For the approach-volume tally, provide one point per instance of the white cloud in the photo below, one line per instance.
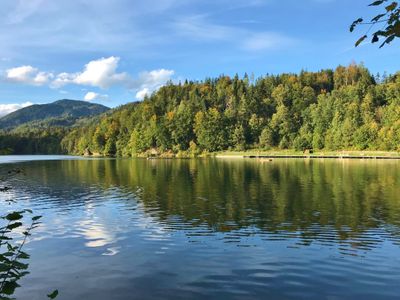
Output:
(266, 41)
(101, 73)
(28, 75)
(62, 79)
(142, 93)
(199, 28)
(90, 96)
(23, 10)
(148, 82)
(5, 109)
(155, 78)
(196, 27)
(98, 73)
(42, 78)
(21, 74)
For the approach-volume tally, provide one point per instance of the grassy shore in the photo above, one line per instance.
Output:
(254, 153)
(280, 153)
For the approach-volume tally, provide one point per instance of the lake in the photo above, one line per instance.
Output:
(209, 228)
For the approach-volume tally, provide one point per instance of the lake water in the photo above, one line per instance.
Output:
(210, 229)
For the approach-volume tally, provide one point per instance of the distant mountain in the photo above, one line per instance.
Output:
(60, 113)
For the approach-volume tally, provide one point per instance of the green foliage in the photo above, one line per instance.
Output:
(14, 232)
(389, 17)
(59, 113)
(39, 129)
(26, 140)
(12, 258)
(267, 138)
(211, 130)
(341, 109)
(53, 294)
(238, 138)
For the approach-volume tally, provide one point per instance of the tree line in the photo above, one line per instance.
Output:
(27, 140)
(346, 108)
(343, 109)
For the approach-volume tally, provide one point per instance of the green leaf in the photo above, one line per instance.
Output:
(355, 23)
(36, 218)
(391, 7)
(387, 41)
(3, 258)
(4, 267)
(360, 40)
(9, 287)
(24, 273)
(396, 29)
(14, 216)
(20, 266)
(14, 225)
(377, 18)
(375, 3)
(23, 255)
(53, 294)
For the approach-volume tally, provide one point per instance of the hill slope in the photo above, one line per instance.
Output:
(342, 109)
(62, 112)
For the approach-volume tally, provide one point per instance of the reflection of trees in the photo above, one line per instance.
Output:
(346, 197)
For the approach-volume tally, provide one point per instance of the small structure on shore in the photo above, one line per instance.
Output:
(308, 151)
(264, 160)
(87, 152)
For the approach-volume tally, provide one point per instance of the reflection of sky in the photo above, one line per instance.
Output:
(5, 159)
(104, 226)
(105, 238)
(103, 216)
(93, 230)
(95, 233)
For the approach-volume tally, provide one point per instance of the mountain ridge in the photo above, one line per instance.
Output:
(63, 112)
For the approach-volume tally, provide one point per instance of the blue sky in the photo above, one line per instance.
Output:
(114, 52)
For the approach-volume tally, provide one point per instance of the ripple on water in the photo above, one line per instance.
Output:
(283, 231)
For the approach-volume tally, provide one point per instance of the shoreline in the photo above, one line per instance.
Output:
(307, 157)
(287, 154)
(268, 155)
(219, 155)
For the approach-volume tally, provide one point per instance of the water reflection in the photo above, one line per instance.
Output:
(227, 195)
(218, 228)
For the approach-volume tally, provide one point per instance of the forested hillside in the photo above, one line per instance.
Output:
(340, 109)
(62, 112)
(39, 129)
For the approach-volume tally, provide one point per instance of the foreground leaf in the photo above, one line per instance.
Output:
(53, 295)
(9, 287)
(361, 40)
(14, 225)
(14, 216)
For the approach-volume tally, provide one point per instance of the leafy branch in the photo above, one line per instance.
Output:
(13, 264)
(390, 17)
(12, 267)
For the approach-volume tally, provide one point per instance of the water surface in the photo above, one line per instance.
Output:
(211, 229)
